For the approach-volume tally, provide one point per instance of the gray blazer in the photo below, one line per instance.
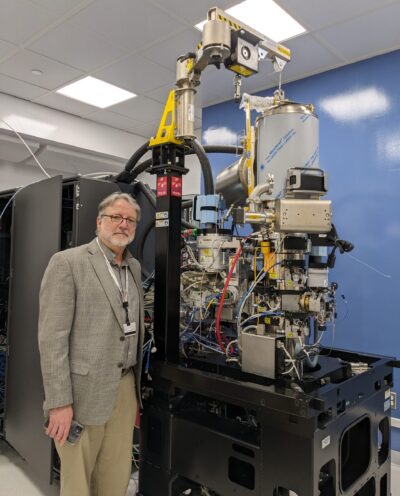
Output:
(80, 326)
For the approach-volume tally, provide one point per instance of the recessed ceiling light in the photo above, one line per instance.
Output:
(266, 17)
(95, 92)
(37, 72)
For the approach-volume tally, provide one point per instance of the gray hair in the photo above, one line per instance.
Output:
(110, 199)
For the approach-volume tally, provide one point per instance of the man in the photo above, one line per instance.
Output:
(90, 339)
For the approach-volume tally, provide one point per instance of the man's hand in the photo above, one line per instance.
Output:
(59, 423)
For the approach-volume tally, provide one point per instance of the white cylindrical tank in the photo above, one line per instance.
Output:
(287, 136)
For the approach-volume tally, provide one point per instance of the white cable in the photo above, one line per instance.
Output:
(13, 196)
(292, 361)
(27, 146)
(252, 326)
(105, 173)
(229, 345)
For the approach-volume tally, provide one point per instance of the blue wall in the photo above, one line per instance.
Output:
(361, 154)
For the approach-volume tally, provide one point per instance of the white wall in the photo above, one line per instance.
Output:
(70, 145)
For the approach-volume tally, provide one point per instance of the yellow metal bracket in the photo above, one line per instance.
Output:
(249, 149)
(166, 129)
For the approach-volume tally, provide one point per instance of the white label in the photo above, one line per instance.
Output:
(162, 223)
(326, 442)
(386, 405)
(387, 394)
(190, 114)
(162, 215)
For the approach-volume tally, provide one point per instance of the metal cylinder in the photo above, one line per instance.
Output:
(287, 136)
(216, 33)
(232, 182)
(185, 112)
(181, 71)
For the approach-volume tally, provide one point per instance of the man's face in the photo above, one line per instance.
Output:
(115, 232)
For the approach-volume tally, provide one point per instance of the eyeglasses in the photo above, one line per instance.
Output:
(118, 219)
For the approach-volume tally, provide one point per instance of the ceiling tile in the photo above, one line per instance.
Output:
(315, 14)
(21, 19)
(75, 46)
(160, 94)
(135, 73)
(6, 48)
(167, 52)
(61, 102)
(194, 11)
(20, 89)
(366, 35)
(131, 24)
(59, 6)
(308, 57)
(140, 109)
(115, 120)
(54, 74)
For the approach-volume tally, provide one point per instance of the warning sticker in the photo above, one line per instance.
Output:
(162, 223)
(176, 186)
(162, 215)
(162, 186)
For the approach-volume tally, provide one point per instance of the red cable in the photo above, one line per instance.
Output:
(221, 303)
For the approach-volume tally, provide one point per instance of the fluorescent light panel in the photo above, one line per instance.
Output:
(95, 92)
(266, 17)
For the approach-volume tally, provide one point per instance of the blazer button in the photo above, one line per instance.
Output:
(122, 338)
(120, 365)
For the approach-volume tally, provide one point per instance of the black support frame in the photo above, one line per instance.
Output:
(298, 443)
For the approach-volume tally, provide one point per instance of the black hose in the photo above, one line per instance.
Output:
(124, 175)
(187, 224)
(236, 150)
(147, 229)
(148, 193)
(205, 167)
(149, 226)
(143, 166)
(197, 148)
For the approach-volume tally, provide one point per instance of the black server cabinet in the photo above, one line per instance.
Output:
(5, 251)
(46, 216)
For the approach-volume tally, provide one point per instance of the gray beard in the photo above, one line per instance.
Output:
(121, 243)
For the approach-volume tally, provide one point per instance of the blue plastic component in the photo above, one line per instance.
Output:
(319, 251)
(206, 209)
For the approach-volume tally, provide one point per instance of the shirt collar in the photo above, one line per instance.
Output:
(111, 255)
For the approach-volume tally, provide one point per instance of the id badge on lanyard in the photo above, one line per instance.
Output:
(129, 327)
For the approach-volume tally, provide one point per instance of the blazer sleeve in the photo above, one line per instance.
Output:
(56, 315)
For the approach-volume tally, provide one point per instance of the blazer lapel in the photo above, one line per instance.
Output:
(100, 267)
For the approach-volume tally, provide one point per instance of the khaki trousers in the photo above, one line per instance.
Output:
(99, 464)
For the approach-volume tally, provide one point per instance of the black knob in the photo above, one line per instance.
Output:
(122, 338)
(120, 365)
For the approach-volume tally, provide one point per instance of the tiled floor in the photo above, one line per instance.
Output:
(14, 480)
